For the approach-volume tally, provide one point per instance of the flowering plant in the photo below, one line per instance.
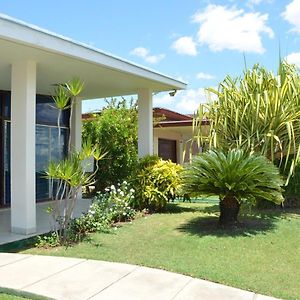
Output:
(116, 202)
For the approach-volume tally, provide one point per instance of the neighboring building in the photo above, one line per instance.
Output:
(173, 134)
(32, 60)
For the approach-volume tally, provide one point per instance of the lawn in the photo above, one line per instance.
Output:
(262, 256)
(11, 294)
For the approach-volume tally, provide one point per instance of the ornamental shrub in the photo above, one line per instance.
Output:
(114, 205)
(156, 182)
(115, 129)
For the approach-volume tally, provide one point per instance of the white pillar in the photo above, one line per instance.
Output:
(23, 99)
(145, 122)
(76, 124)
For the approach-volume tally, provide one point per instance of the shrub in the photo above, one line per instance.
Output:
(236, 177)
(106, 209)
(115, 129)
(292, 190)
(116, 202)
(156, 181)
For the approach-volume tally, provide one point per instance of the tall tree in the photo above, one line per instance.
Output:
(259, 112)
(115, 130)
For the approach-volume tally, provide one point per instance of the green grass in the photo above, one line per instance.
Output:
(11, 294)
(262, 256)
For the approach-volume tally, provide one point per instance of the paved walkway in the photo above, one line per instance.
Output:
(73, 278)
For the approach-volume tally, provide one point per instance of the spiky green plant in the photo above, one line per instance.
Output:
(259, 112)
(236, 177)
(67, 177)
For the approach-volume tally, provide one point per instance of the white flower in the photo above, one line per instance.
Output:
(107, 189)
(131, 190)
(122, 193)
(112, 187)
(124, 213)
(125, 182)
(118, 190)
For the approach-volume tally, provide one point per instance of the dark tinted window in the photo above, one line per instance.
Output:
(48, 149)
(47, 113)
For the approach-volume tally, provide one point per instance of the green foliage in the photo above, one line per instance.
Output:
(68, 176)
(236, 173)
(115, 129)
(48, 240)
(259, 112)
(116, 202)
(156, 181)
(106, 209)
(292, 190)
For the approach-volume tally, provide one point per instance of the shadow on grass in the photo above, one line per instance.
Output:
(209, 225)
(177, 208)
(251, 223)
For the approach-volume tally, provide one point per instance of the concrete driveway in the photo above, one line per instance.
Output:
(74, 278)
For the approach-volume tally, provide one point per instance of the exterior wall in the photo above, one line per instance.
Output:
(183, 136)
(168, 135)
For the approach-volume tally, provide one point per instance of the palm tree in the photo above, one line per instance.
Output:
(259, 112)
(236, 177)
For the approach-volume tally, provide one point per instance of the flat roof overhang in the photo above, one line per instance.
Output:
(59, 59)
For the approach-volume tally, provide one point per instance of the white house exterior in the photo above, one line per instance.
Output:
(31, 61)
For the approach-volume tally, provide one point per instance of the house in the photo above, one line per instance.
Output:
(173, 134)
(32, 60)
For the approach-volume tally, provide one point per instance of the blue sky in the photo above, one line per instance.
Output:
(196, 41)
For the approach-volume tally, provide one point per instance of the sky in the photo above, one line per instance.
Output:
(198, 42)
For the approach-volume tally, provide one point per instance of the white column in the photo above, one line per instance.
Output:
(23, 99)
(76, 124)
(145, 122)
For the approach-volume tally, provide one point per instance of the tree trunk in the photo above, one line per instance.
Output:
(229, 210)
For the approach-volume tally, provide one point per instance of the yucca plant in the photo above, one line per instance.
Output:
(68, 176)
(259, 112)
(236, 177)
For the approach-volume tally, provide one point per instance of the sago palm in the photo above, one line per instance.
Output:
(236, 177)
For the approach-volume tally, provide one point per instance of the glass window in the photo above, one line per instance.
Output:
(42, 160)
(59, 138)
(48, 149)
(7, 105)
(47, 113)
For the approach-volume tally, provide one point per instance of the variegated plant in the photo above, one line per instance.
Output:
(259, 112)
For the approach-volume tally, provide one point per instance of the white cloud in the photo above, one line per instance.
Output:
(204, 76)
(185, 45)
(145, 54)
(154, 59)
(292, 13)
(294, 58)
(140, 51)
(184, 101)
(251, 3)
(229, 28)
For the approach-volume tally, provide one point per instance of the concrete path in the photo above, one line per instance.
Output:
(73, 278)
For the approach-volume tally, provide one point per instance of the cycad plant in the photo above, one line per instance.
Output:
(234, 176)
(259, 112)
